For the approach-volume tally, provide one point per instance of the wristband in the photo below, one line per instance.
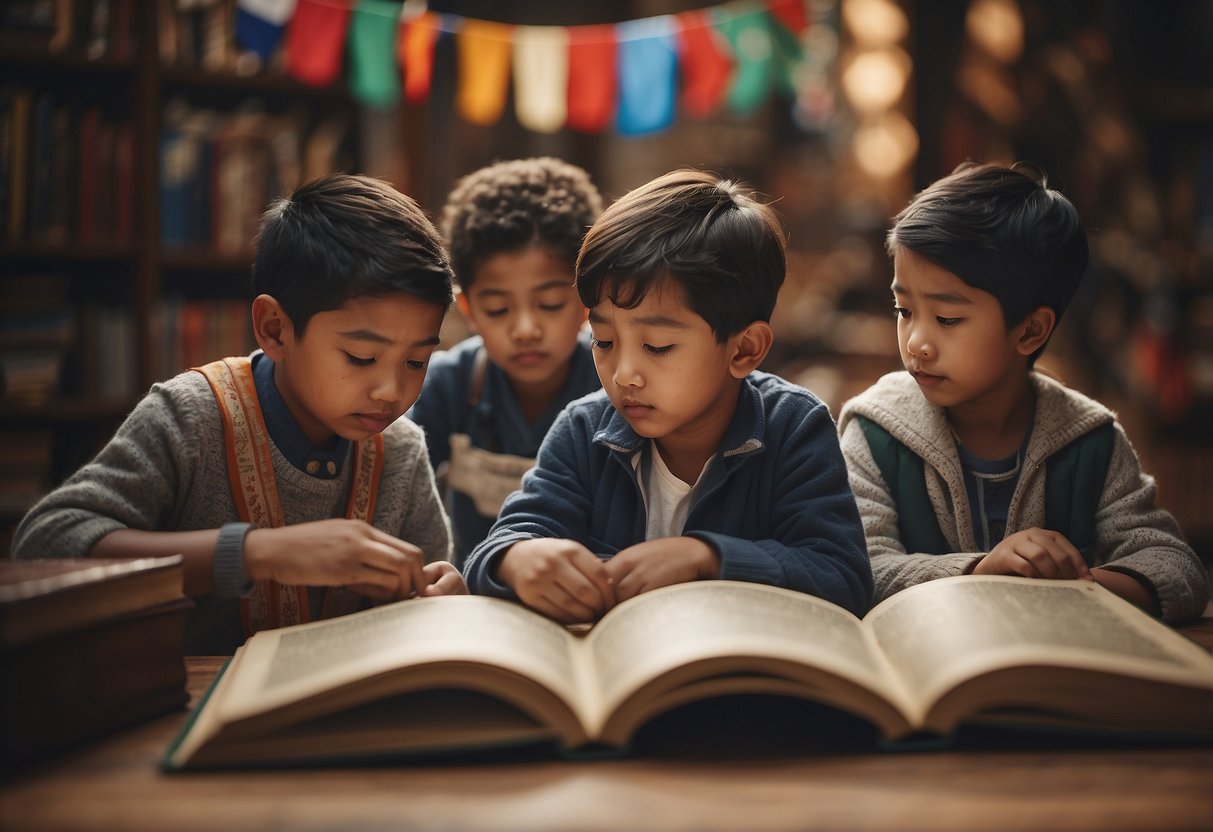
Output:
(230, 578)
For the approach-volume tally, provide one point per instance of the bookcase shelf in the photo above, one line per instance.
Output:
(98, 297)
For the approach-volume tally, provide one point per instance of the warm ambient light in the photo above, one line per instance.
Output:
(996, 26)
(874, 22)
(884, 146)
(875, 79)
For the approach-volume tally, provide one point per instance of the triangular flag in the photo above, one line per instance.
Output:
(648, 69)
(260, 24)
(749, 35)
(541, 72)
(374, 76)
(484, 70)
(705, 62)
(416, 53)
(592, 78)
(315, 39)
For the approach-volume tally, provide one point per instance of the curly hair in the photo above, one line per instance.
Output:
(512, 204)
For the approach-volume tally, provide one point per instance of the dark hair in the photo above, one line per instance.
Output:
(343, 236)
(711, 235)
(1001, 230)
(509, 205)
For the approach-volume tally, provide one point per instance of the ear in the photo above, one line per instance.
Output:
(271, 326)
(465, 308)
(1033, 332)
(748, 348)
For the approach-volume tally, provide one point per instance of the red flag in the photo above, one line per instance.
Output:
(416, 55)
(790, 13)
(592, 78)
(315, 41)
(705, 61)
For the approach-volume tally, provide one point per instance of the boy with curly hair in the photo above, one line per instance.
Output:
(512, 230)
(691, 463)
(972, 462)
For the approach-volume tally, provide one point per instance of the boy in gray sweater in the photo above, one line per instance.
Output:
(972, 462)
(286, 478)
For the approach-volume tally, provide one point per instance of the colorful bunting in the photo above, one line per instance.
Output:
(592, 78)
(582, 78)
(416, 53)
(373, 75)
(648, 67)
(260, 23)
(484, 51)
(541, 76)
(704, 61)
(314, 40)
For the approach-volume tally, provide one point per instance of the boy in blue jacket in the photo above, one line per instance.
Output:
(690, 464)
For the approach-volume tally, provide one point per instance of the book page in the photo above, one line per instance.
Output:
(293, 663)
(940, 633)
(747, 627)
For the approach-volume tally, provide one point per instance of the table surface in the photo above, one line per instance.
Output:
(757, 785)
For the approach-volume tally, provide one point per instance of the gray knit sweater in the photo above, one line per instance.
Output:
(165, 469)
(1133, 535)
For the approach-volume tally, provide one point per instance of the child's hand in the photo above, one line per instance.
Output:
(661, 562)
(560, 578)
(337, 552)
(1034, 553)
(444, 579)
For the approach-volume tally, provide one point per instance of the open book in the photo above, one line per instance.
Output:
(461, 672)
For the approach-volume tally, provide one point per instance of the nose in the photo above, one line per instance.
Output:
(526, 326)
(627, 371)
(389, 385)
(917, 344)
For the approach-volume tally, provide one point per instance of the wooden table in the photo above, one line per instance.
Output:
(116, 784)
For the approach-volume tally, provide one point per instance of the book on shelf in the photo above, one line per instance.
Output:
(87, 646)
(460, 673)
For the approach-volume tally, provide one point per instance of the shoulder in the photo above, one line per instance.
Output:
(892, 398)
(185, 398)
(403, 437)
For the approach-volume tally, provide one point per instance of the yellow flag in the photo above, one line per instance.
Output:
(484, 51)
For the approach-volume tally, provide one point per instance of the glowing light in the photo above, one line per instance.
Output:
(885, 146)
(997, 27)
(875, 22)
(875, 79)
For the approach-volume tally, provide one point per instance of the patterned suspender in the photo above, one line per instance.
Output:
(250, 470)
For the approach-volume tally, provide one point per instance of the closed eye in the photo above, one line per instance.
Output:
(901, 312)
(658, 350)
(495, 313)
(552, 307)
(599, 344)
(359, 362)
(415, 365)
(948, 321)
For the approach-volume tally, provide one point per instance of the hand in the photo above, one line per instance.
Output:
(661, 562)
(560, 578)
(337, 552)
(444, 579)
(1034, 553)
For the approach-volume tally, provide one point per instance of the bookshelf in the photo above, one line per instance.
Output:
(134, 146)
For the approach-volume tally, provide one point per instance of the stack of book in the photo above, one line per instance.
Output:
(87, 646)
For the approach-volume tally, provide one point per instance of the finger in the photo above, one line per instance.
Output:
(571, 608)
(404, 560)
(545, 605)
(449, 583)
(1077, 566)
(601, 580)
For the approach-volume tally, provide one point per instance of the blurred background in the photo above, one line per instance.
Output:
(139, 142)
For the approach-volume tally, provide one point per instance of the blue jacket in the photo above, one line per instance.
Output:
(497, 424)
(774, 501)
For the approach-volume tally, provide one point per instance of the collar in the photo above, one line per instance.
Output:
(743, 436)
(285, 432)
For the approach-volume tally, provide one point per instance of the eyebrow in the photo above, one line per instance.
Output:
(942, 297)
(647, 320)
(376, 338)
(551, 284)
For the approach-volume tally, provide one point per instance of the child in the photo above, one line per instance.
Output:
(689, 464)
(351, 287)
(972, 462)
(513, 230)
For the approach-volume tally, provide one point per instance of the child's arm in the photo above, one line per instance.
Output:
(334, 552)
(559, 578)
(1138, 540)
(814, 543)
(893, 568)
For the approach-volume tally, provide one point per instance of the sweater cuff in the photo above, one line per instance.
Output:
(229, 576)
